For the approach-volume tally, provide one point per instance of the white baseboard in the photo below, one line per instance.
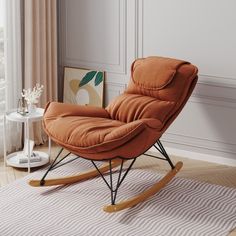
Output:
(198, 156)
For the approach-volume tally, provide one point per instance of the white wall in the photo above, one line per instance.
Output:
(110, 34)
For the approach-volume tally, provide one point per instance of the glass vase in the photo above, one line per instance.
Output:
(32, 108)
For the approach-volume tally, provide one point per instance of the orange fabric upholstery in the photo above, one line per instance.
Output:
(131, 123)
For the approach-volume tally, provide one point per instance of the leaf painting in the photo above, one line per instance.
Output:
(83, 86)
(88, 77)
(98, 78)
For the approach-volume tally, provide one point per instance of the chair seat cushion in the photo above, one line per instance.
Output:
(87, 131)
(91, 134)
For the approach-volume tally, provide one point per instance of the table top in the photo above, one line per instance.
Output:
(15, 116)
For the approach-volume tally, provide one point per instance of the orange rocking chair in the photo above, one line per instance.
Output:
(126, 128)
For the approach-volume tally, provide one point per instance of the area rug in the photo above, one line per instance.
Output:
(184, 207)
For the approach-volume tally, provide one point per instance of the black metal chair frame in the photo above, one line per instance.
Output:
(112, 186)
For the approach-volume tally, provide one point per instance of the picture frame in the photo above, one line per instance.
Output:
(83, 86)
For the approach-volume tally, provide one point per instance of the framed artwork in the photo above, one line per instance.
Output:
(84, 87)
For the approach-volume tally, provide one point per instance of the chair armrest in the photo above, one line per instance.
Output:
(55, 109)
(152, 123)
(131, 129)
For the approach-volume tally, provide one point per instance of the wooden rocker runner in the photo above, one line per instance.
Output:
(125, 129)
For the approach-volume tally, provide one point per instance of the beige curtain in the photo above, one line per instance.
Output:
(40, 51)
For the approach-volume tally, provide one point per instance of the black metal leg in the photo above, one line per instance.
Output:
(119, 180)
(111, 184)
(101, 174)
(54, 165)
(64, 163)
(164, 153)
(162, 150)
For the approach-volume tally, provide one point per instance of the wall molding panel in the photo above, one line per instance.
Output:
(214, 80)
(197, 156)
(213, 101)
(90, 60)
(198, 142)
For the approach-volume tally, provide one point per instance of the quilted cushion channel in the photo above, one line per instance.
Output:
(131, 107)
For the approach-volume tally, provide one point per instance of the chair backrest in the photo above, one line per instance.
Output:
(159, 88)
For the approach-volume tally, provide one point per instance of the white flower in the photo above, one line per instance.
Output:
(32, 95)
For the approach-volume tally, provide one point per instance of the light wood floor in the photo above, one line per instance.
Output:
(198, 170)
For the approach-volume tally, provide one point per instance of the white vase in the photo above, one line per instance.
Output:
(32, 108)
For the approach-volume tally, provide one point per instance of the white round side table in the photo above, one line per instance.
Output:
(27, 154)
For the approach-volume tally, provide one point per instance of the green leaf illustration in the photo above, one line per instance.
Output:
(99, 78)
(88, 77)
